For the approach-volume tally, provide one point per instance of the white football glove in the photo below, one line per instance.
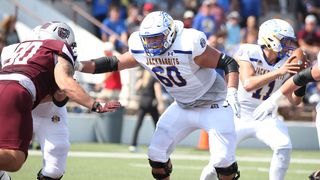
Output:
(268, 108)
(232, 100)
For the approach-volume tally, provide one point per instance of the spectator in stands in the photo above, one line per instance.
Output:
(151, 101)
(204, 21)
(248, 8)
(111, 86)
(309, 37)
(219, 15)
(250, 32)
(134, 18)
(225, 5)
(306, 7)
(118, 37)
(188, 18)
(8, 30)
(217, 41)
(234, 32)
(147, 8)
(100, 9)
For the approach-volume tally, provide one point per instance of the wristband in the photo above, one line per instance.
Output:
(60, 103)
(96, 106)
(301, 91)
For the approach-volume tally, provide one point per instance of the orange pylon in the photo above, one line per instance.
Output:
(203, 141)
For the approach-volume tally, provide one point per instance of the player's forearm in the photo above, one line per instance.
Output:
(256, 82)
(76, 93)
(232, 79)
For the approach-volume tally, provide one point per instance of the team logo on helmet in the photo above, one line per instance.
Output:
(63, 33)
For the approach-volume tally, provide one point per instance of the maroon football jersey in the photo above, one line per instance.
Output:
(36, 60)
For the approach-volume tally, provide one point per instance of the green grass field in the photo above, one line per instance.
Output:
(115, 162)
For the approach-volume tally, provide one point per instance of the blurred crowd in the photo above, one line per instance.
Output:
(226, 23)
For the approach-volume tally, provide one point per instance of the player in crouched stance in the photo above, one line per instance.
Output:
(37, 71)
(181, 60)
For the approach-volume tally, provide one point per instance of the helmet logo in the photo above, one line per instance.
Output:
(63, 33)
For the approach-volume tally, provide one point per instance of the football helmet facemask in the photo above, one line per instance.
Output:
(278, 36)
(157, 33)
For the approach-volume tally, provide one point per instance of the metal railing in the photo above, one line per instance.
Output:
(77, 11)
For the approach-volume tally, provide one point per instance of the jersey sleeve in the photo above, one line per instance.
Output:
(135, 44)
(243, 53)
(7, 52)
(199, 43)
(62, 49)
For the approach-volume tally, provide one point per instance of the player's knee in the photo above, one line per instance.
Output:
(228, 171)
(283, 157)
(161, 170)
(154, 153)
(17, 160)
(40, 176)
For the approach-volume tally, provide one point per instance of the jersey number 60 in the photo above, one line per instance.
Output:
(169, 80)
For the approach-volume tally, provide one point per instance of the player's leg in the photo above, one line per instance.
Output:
(316, 174)
(318, 121)
(274, 133)
(219, 124)
(53, 137)
(16, 125)
(4, 176)
(172, 127)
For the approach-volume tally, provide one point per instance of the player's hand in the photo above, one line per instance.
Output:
(288, 67)
(101, 107)
(265, 109)
(232, 100)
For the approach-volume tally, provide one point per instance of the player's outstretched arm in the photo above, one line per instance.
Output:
(63, 74)
(107, 64)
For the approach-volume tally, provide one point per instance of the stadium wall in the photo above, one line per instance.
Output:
(83, 129)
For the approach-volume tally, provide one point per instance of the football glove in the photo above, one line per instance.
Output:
(101, 107)
(232, 100)
(268, 108)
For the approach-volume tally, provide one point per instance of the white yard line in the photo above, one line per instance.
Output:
(174, 156)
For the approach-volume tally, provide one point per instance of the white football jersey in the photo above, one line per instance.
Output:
(176, 69)
(250, 100)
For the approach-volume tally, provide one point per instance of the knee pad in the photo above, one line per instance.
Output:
(167, 167)
(227, 171)
(40, 176)
(315, 175)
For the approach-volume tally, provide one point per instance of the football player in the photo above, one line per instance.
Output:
(264, 67)
(185, 65)
(292, 89)
(37, 71)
